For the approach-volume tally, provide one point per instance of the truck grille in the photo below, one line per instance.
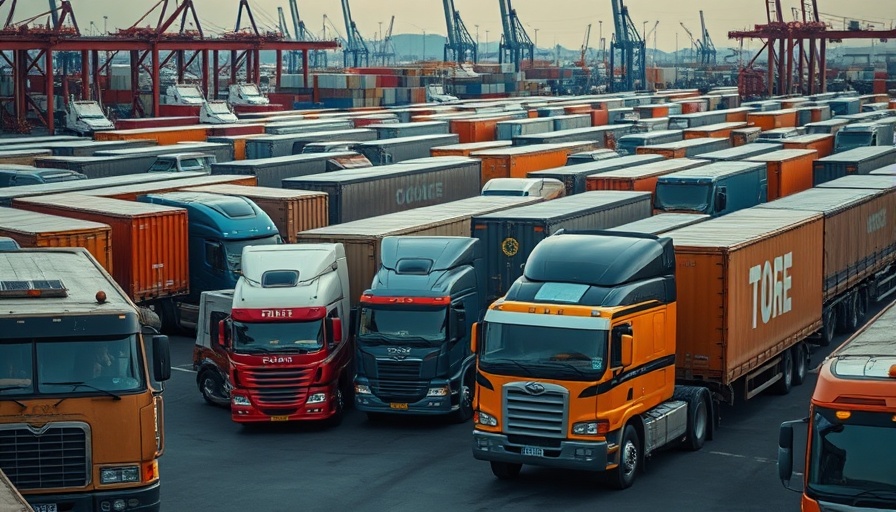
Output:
(399, 381)
(277, 386)
(54, 457)
(540, 415)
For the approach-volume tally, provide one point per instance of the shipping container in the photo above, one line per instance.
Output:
(291, 210)
(641, 178)
(888, 170)
(822, 143)
(737, 114)
(788, 171)
(599, 136)
(855, 161)
(857, 243)
(235, 129)
(360, 193)
(362, 238)
(591, 156)
(130, 192)
(162, 136)
(142, 123)
(743, 136)
(574, 176)
(236, 142)
(627, 144)
(43, 189)
(741, 152)
(272, 171)
(91, 147)
(509, 236)
(465, 149)
(27, 156)
(273, 146)
(696, 119)
(32, 229)
(773, 119)
(99, 167)
(662, 223)
(713, 130)
(507, 130)
(390, 151)
(477, 129)
(149, 242)
(403, 130)
(845, 106)
(221, 152)
(517, 162)
(571, 122)
(307, 126)
(867, 181)
(690, 148)
(7, 143)
(748, 288)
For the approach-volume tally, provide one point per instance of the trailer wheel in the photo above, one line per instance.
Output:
(862, 306)
(782, 387)
(828, 328)
(623, 476)
(800, 363)
(698, 421)
(849, 318)
(506, 470)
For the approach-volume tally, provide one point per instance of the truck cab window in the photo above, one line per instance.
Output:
(616, 344)
(214, 255)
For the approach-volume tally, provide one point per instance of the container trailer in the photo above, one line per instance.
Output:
(416, 129)
(32, 229)
(518, 161)
(788, 170)
(163, 136)
(854, 161)
(715, 189)
(464, 149)
(271, 172)
(130, 192)
(641, 178)
(627, 144)
(599, 136)
(662, 223)
(390, 151)
(690, 148)
(221, 152)
(741, 152)
(820, 142)
(574, 177)
(7, 195)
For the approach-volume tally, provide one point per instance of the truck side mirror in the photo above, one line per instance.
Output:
(161, 358)
(785, 452)
(334, 330)
(222, 333)
(474, 337)
(628, 346)
(721, 199)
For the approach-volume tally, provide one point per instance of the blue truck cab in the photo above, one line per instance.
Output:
(412, 327)
(715, 189)
(219, 227)
(12, 175)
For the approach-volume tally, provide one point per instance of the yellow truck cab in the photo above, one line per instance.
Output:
(575, 365)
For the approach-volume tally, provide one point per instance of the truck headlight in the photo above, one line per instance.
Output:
(120, 475)
(362, 389)
(486, 419)
(317, 398)
(439, 391)
(242, 401)
(591, 428)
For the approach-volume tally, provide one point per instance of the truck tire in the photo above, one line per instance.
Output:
(210, 386)
(849, 318)
(336, 419)
(698, 421)
(862, 306)
(465, 398)
(800, 363)
(828, 327)
(623, 476)
(782, 387)
(506, 470)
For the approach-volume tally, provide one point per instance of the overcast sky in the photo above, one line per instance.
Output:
(557, 21)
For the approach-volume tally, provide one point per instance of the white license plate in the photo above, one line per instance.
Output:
(46, 507)
(533, 451)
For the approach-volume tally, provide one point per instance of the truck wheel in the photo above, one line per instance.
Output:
(506, 470)
(782, 387)
(465, 398)
(623, 476)
(800, 363)
(861, 306)
(849, 319)
(336, 419)
(698, 421)
(210, 386)
(828, 327)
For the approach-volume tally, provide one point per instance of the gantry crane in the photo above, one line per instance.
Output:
(581, 62)
(460, 46)
(650, 34)
(708, 55)
(386, 52)
(317, 58)
(515, 42)
(696, 44)
(355, 45)
(627, 52)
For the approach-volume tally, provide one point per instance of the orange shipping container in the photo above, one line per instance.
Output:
(640, 178)
(600, 117)
(31, 229)
(577, 109)
(773, 119)
(291, 210)
(476, 129)
(130, 192)
(149, 241)
(517, 161)
(749, 287)
(823, 143)
(789, 170)
(652, 111)
(162, 136)
(737, 115)
(469, 148)
(689, 148)
(713, 130)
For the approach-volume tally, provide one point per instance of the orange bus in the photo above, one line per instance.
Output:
(851, 446)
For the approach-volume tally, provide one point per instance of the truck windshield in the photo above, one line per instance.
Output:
(677, 197)
(162, 166)
(497, 192)
(234, 249)
(278, 337)
(68, 367)
(853, 461)
(544, 352)
(403, 324)
(853, 139)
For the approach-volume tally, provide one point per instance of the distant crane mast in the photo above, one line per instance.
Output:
(628, 52)
(515, 42)
(581, 62)
(355, 45)
(696, 45)
(316, 58)
(708, 56)
(386, 53)
(460, 46)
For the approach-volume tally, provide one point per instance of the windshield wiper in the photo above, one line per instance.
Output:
(527, 371)
(8, 388)
(566, 365)
(873, 495)
(85, 385)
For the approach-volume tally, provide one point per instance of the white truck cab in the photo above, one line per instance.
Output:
(246, 94)
(545, 188)
(86, 117)
(436, 94)
(216, 112)
(183, 162)
(183, 94)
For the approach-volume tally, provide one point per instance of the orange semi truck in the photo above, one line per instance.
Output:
(850, 459)
(612, 345)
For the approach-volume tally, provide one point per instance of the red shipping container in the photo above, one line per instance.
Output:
(179, 111)
(598, 117)
(231, 130)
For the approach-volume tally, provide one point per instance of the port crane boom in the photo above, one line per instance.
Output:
(696, 45)
(515, 42)
(708, 57)
(355, 45)
(460, 46)
(628, 52)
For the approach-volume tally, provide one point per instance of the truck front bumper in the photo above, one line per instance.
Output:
(579, 455)
(143, 499)
(428, 406)
(244, 407)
